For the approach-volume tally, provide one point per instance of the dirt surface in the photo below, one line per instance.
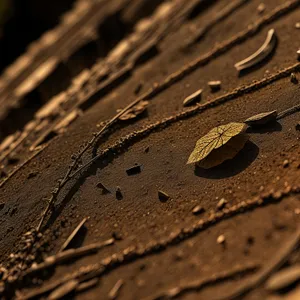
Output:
(162, 245)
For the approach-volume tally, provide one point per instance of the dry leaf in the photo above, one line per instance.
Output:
(134, 111)
(218, 137)
(262, 118)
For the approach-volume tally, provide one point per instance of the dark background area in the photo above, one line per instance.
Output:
(25, 21)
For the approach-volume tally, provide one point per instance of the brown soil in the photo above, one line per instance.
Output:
(263, 176)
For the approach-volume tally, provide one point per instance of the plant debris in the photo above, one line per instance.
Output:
(135, 111)
(219, 144)
(262, 118)
(263, 52)
(193, 98)
(64, 289)
(198, 210)
(294, 78)
(284, 278)
(134, 170)
(72, 235)
(222, 203)
(162, 196)
(214, 85)
(113, 294)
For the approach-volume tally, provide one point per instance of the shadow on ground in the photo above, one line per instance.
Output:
(233, 166)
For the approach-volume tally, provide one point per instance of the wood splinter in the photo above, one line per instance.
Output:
(113, 294)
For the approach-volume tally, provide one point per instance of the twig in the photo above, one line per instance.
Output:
(66, 255)
(274, 264)
(197, 285)
(22, 165)
(72, 235)
(288, 112)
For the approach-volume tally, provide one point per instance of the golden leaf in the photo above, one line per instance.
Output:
(215, 139)
(226, 152)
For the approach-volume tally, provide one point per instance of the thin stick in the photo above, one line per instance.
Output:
(274, 264)
(288, 112)
(22, 165)
(72, 235)
(66, 255)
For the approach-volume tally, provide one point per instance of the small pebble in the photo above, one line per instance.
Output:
(119, 195)
(214, 85)
(298, 126)
(286, 163)
(297, 25)
(297, 211)
(298, 54)
(134, 170)
(221, 239)
(261, 8)
(162, 196)
(294, 78)
(222, 203)
(198, 210)
(193, 98)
